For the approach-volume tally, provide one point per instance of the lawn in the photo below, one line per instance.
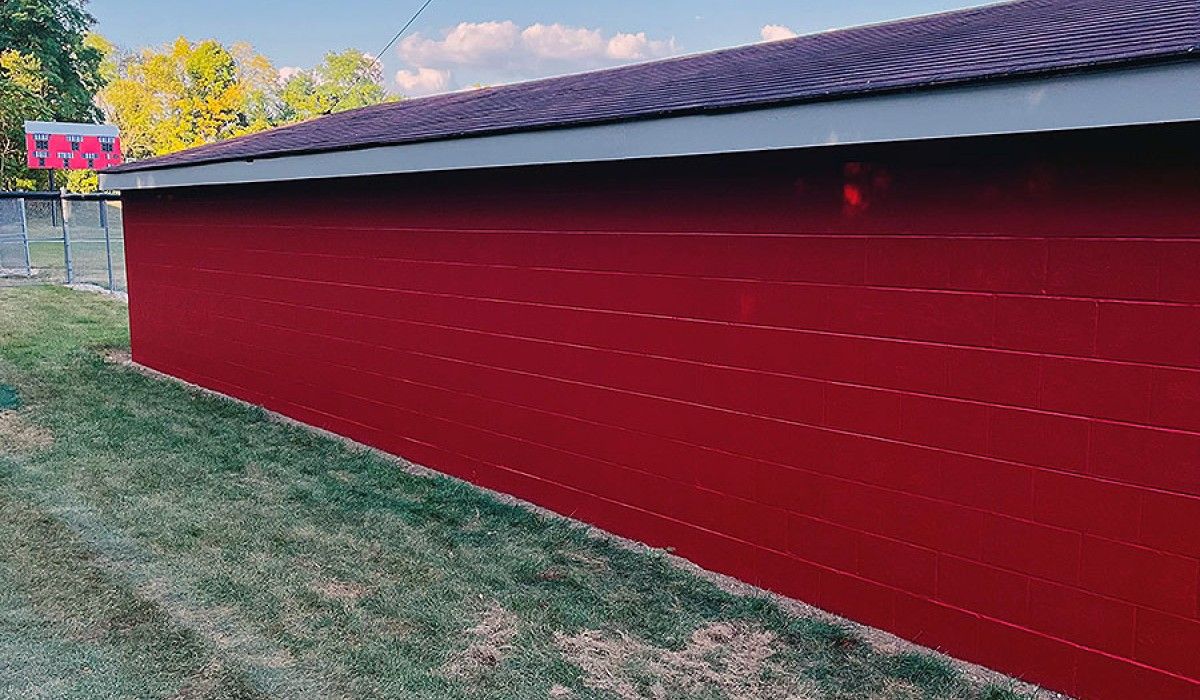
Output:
(164, 543)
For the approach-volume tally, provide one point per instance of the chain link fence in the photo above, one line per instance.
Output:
(46, 237)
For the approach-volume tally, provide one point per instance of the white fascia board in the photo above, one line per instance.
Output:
(1131, 96)
(71, 129)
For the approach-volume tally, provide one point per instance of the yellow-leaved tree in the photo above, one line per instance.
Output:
(187, 94)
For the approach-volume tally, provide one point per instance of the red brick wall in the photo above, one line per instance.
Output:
(949, 391)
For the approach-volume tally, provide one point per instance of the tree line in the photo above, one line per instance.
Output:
(53, 67)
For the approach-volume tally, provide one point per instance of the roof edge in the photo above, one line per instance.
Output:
(1047, 102)
(1191, 53)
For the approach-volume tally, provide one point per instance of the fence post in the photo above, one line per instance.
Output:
(66, 229)
(25, 237)
(52, 189)
(107, 241)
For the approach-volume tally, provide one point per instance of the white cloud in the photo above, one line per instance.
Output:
(506, 50)
(468, 43)
(558, 41)
(775, 32)
(502, 52)
(632, 47)
(422, 81)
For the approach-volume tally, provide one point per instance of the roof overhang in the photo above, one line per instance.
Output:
(1129, 96)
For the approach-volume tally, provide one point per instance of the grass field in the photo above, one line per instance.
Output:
(161, 543)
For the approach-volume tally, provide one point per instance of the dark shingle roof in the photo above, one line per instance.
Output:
(993, 42)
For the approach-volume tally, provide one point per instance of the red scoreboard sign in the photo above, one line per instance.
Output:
(67, 146)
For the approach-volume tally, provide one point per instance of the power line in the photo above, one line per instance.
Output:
(403, 29)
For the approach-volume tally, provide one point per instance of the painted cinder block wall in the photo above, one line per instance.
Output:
(949, 390)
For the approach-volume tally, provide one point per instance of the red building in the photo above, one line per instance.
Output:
(877, 319)
(67, 146)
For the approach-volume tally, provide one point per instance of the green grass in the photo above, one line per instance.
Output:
(161, 543)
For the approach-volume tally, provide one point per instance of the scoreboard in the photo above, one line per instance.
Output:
(68, 146)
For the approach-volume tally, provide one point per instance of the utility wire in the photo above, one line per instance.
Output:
(403, 29)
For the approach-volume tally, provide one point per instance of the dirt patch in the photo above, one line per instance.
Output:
(491, 642)
(19, 434)
(721, 659)
(559, 692)
(116, 356)
(340, 590)
(97, 289)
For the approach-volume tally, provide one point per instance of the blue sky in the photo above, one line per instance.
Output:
(457, 43)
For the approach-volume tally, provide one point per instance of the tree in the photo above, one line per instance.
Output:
(24, 93)
(52, 33)
(344, 80)
(184, 95)
(108, 68)
(188, 94)
(262, 85)
(48, 71)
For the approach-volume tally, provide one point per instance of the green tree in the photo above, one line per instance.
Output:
(24, 92)
(48, 71)
(53, 32)
(344, 80)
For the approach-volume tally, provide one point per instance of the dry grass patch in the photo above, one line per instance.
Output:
(341, 591)
(220, 626)
(491, 642)
(19, 434)
(585, 560)
(204, 685)
(720, 660)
